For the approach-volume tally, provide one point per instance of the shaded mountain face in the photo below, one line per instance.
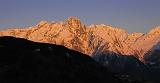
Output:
(152, 58)
(127, 67)
(23, 61)
(90, 40)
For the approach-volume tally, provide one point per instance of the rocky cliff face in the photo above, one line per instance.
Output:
(91, 39)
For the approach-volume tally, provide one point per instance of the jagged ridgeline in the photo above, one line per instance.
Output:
(132, 57)
(90, 40)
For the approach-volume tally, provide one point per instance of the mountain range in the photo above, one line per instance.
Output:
(93, 39)
(130, 56)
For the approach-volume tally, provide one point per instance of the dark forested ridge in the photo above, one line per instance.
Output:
(29, 62)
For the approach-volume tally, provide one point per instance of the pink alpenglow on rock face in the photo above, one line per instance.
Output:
(75, 35)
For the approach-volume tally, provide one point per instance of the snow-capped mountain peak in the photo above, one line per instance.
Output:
(89, 39)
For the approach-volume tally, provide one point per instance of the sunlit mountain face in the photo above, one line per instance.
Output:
(130, 56)
(93, 39)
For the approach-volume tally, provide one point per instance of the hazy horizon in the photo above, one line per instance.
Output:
(131, 15)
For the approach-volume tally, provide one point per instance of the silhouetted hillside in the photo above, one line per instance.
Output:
(29, 62)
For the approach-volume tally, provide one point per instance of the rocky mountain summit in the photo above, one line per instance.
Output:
(91, 40)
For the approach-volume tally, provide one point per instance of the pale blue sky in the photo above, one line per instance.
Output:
(132, 15)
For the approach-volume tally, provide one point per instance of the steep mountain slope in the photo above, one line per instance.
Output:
(23, 61)
(90, 40)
